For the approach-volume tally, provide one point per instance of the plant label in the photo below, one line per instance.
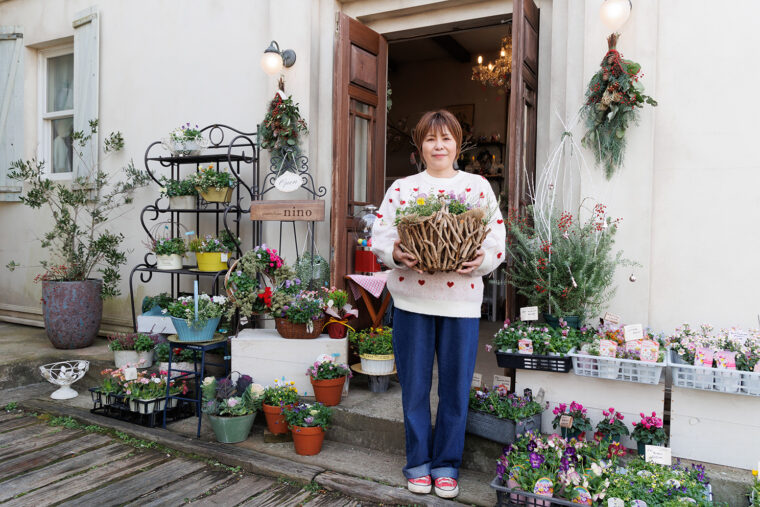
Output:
(615, 502)
(130, 373)
(477, 380)
(288, 182)
(634, 332)
(502, 380)
(725, 360)
(738, 335)
(529, 313)
(703, 356)
(224, 257)
(650, 351)
(658, 454)
(189, 233)
(611, 318)
(566, 421)
(607, 348)
(544, 487)
(525, 346)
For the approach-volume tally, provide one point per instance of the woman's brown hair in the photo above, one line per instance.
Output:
(437, 121)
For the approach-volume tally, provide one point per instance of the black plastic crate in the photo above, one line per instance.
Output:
(557, 364)
(518, 498)
(149, 413)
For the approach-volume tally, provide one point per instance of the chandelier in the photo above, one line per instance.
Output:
(496, 73)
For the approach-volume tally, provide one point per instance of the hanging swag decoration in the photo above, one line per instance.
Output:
(613, 99)
(281, 129)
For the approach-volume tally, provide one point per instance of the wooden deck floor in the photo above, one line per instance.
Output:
(47, 465)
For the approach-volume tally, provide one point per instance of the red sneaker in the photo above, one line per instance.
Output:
(419, 485)
(446, 487)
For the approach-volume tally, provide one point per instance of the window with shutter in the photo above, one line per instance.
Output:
(11, 107)
(86, 83)
(56, 107)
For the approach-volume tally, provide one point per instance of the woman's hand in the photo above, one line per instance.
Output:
(470, 266)
(404, 258)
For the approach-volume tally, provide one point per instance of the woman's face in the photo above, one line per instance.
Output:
(439, 150)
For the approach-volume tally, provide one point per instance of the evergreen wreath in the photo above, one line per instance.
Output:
(280, 130)
(613, 99)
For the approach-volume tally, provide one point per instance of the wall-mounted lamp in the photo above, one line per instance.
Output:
(273, 59)
(614, 13)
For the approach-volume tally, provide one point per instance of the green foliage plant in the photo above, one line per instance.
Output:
(373, 341)
(178, 188)
(502, 404)
(80, 241)
(161, 300)
(180, 354)
(145, 342)
(168, 246)
(613, 100)
(567, 268)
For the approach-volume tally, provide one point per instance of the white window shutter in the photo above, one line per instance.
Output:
(11, 107)
(86, 85)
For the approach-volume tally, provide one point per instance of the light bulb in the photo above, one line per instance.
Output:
(503, 53)
(490, 66)
(614, 13)
(271, 63)
(480, 60)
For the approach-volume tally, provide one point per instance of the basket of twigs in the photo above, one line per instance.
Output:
(443, 241)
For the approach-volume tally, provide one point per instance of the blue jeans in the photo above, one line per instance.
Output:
(417, 338)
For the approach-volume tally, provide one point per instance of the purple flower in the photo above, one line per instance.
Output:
(500, 469)
(536, 460)
(531, 446)
(308, 420)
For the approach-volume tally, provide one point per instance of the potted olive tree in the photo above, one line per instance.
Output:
(79, 243)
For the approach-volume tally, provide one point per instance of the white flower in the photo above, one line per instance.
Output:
(596, 469)
(156, 380)
(164, 311)
(220, 300)
(257, 389)
(208, 381)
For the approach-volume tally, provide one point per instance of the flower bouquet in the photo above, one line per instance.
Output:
(327, 379)
(607, 354)
(572, 421)
(648, 431)
(276, 397)
(442, 231)
(231, 406)
(212, 253)
(197, 325)
(338, 310)
(299, 316)
(307, 423)
(213, 185)
(185, 141)
(499, 416)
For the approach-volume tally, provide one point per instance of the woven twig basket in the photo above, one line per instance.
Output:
(442, 241)
(289, 329)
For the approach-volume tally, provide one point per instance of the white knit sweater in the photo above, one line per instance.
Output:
(445, 294)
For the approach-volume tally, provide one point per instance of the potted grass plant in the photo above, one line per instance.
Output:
(231, 406)
(281, 394)
(307, 423)
(327, 379)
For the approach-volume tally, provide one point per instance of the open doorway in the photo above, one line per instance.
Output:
(436, 72)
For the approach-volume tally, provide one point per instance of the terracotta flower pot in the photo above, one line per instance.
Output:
(276, 423)
(337, 329)
(308, 441)
(328, 391)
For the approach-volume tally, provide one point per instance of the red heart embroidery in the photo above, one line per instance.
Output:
(481, 195)
(421, 282)
(467, 189)
(390, 200)
(403, 202)
(400, 278)
(415, 189)
(378, 215)
(498, 255)
(441, 191)
(500, 221)
(397, 189)
(472, 285)
(450, 284)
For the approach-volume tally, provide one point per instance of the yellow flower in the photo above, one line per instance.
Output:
(313, 412)
(420, 200)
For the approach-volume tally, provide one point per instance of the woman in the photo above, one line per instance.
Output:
(436, 314)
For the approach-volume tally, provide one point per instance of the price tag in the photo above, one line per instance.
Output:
(658, 454)
(529, 313)
(634, 332)
(611, 318)
(566, 421)
(502, 380)
(477, 380)
(130, 373)
(189, 233)
(224, 257)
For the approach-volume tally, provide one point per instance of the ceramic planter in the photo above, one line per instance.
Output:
(308, 441)
(146, 358)
(182, 202)
(124, 357)
(222, 195)
(374, 364)
(210, 261)
(230, 430)
(328, 391)
(72, 312)
(168, 262)
(276, 423)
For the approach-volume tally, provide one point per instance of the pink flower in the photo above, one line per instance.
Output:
(232, 402)
(489, 348)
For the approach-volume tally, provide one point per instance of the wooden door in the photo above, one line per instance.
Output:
(522, 114)
(359, 93)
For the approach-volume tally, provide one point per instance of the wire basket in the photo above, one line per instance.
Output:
(557, 364)
(713, 379)
(612, 368)
(442, 241)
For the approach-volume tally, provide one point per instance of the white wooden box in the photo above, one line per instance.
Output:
(155, 324)
(715, 427)
(594, 394)
(265, 355)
